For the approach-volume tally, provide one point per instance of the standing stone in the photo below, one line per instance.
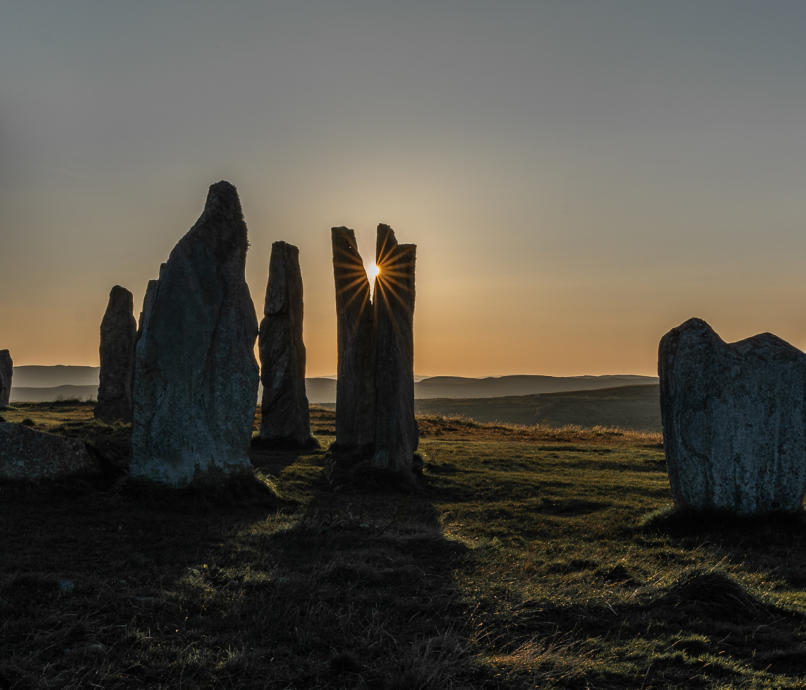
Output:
(396, 435)
(196, 378)
(733, 420)
(285, 419)
(355, 385)
(6, 372)
(118, 336)
(375, 420)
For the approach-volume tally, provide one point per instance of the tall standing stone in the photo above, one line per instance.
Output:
(196, 378)
(375, 390)
(355, 385)
(734, 420)
(396, 435)
(6, 372)
(118, 336)
(285, 419)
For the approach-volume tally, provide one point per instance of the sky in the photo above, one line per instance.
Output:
(579, 176)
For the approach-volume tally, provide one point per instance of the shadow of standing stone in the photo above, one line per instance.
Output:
(733, 420)
(196, 378)
(118, 337)
(285, 418)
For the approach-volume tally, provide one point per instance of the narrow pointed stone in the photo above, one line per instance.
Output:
(733, 420)
(118, 336)
(355, 387)
(196, 378)
(285, 419)
(396, 435)
(6, 372)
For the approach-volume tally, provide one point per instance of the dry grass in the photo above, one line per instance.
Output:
(525, 559)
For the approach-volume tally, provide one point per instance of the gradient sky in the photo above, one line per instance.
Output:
(579, 177)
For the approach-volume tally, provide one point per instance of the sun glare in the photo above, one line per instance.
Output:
(372, 272)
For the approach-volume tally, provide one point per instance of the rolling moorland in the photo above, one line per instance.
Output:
(623, 401)
(527, 556)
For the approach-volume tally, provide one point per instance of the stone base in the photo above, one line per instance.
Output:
(353, 469)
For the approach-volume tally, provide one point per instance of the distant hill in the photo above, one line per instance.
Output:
(51, 380)
(36, 376)
(20, 394)
(631, 407)
(501, 386)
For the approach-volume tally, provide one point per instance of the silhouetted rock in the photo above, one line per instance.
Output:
(6, 373)
(355, 385)
(285, 419)
(375, 424)
(733, 420)
(27, 454)
(396, 434)
(148, 303)
(118, 335)
(196, 378)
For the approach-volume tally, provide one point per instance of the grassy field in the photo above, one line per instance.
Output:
(528, 557)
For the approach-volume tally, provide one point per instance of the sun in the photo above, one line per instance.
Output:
(372, 272)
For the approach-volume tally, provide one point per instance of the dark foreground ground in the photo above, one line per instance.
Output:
(527, 558)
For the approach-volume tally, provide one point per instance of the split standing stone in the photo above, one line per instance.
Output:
(396, 435)
(375, 421)
(118, 336)
(355, 386)
(6, 373)
(285, 419)
(733, 420)
(196, 378)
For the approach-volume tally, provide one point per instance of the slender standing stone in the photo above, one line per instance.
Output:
(118, 336)
(733, 420)
(355, 387)
(6, 372)
(396, 435)
(285, 419)
(196, 378)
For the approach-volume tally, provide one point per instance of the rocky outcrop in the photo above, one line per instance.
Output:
(118, 335)
(285, 420)
(734, 420)
(196, 378)
(396, 436)
(375, 422)
(6, 372)
(28, 455)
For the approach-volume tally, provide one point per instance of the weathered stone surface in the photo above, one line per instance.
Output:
(118, 336)
(355, 386)
(733, 420)
(375, 389)
(196, 378)
(285, 419)
(27, 454)
(396, 435)
(6, 372)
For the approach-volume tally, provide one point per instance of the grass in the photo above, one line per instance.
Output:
(528, 557)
